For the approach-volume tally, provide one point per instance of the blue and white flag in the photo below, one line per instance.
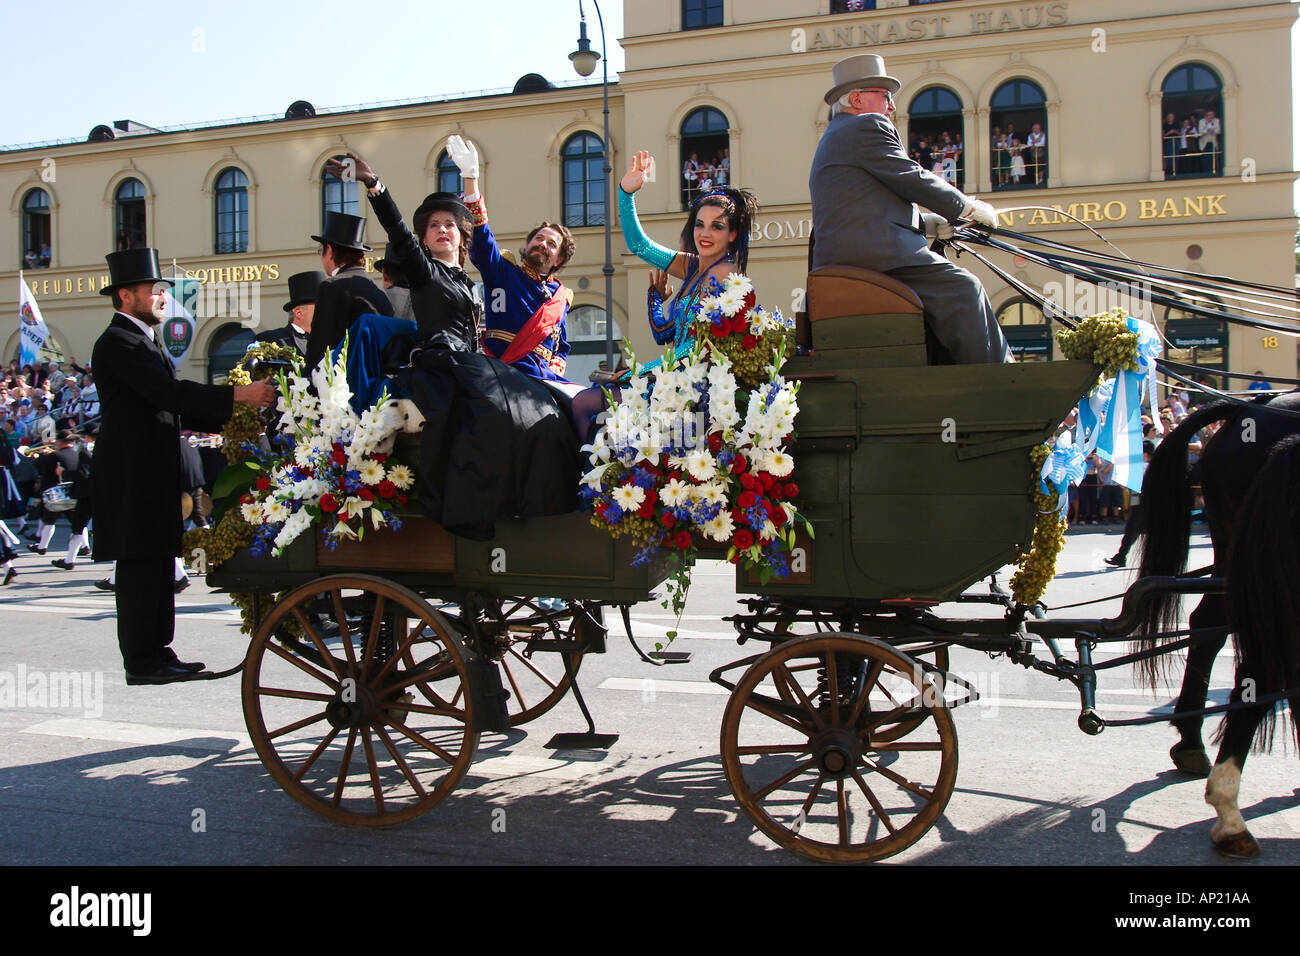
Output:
(32, 331)
(178, 322)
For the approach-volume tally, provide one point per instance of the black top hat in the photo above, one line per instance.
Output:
(443, 202)
(303, 287)
(131, 267)
(392, 265)
(342, 229)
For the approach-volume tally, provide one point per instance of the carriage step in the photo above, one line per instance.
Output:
(559, 646)
(671, 657)
(582, 741)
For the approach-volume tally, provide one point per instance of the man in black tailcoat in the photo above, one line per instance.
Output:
(348, 292)
(137, 469)
(303, 288)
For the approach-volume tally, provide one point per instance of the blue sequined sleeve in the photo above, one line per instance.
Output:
(661, 326)
(641, 245)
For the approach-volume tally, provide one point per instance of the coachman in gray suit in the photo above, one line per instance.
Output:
(865, 193)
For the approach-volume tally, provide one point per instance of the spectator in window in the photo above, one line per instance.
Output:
(1169, 137)
(1037, 145)
(43, 257)
(1000, 159)
(957, 149)
(1186, 145)
(30, 260)
(123, 240)
(724, 167)
(1207, 142)
(1016, 151)
(925, 155)
(691, 176)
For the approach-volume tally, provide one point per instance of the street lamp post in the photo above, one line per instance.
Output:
(584, 62)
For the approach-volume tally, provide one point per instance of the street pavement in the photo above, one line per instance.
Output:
(166, 775)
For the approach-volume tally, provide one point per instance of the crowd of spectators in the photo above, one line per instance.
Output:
(38, 402)
(37, 259)
(699, 177)
(1019, 160)
(1193, 145)
(941, 154)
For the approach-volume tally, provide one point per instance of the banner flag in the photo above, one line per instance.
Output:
(32, 331)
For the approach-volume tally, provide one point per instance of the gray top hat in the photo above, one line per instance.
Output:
(866, 71)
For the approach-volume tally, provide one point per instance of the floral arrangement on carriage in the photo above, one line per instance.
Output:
(698, 456)
(327, 467)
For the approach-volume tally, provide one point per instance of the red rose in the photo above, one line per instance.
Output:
(740, 323)
(779, 517)
(647, 510)
(766, 480)
(365, 494)
(651, 496)
(338, 455)
(263, 483)
(715, 442)
(743, 540)
(667, 519)
(768, 506)
(749, 342)
(737, 516)
(791, 489)
(776, 491)
(401, 499)
(746, 500)
(721, 329)
(379, 457)
(682, 539)
(247, 500)
(387, 488)
(328, 503)
(602, 507)
(738, 465)
(747, 481)
(674, 475)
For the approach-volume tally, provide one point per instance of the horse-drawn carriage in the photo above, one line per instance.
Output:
(366, 687)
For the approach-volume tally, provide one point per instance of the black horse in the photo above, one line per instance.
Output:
(1237, 502)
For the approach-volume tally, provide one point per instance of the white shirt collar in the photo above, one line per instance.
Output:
(146, 329)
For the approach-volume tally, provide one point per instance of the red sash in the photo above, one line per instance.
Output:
(538, 328)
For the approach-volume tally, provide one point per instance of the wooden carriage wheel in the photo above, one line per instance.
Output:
(820, 769)
(928, 651)
(333, 714)
(536, 682)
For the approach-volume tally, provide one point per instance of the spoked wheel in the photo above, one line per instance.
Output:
(930, 653)
(535, 679)
(334, 714)
(810, 748)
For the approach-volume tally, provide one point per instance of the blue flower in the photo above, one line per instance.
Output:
(393, 522)
(613, 514)
(777, 561)
(756, 516)
(642, 478)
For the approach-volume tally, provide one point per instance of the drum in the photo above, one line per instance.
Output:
(59, 498)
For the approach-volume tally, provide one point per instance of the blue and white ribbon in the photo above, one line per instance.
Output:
(1063, 467)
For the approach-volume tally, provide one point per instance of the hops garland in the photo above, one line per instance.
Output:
(1038, 567)
(218, 543)
(1104, 340)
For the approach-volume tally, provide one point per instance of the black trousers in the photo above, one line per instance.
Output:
(146, 612)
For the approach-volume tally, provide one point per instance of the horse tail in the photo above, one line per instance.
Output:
(1167, 506)
(1263, 583)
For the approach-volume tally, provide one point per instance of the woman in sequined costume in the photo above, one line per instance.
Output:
(714, 242)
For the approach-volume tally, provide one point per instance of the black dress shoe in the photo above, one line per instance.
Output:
(63, 563)
(83, 552)
(105, 585)
(165, 674)
(1115, 562)
(35, 550)
(192, 666)
(181, 585)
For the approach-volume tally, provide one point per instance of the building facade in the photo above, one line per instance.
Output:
(1166, 129)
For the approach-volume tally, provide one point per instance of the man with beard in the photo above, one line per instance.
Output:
(137, 470)
(525, 304)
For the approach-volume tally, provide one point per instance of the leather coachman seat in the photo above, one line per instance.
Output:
(865, 316)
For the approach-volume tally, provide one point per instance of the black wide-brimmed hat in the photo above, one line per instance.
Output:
(442, 202)
(303, 287)
(131, 267)
(392, 265)
(344, 230)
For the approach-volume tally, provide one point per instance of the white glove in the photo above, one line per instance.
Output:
(936, 227)
(464, 155)
(981, 212)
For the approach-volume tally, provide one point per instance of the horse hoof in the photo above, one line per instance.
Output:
(1238, 846)
(1190, 760)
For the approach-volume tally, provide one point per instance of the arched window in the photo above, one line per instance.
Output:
(706, 153)
(1195, 339)
(701, 14)
(582, 180)
(585, 328)
(35, 252)
(130, 218)
(934, 134)
(1027, 331)
(1191, 110)
(231, 208)
(338, 195)
(228, 347)
(449, 180)
(1018, 136)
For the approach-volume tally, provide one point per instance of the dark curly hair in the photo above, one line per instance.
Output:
(567, 245)
(740, 207)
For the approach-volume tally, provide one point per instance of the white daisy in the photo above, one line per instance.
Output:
(675, 493)
(401, 476)
(628, 497)
(701, 465)
(779, 463)
(275, 511)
